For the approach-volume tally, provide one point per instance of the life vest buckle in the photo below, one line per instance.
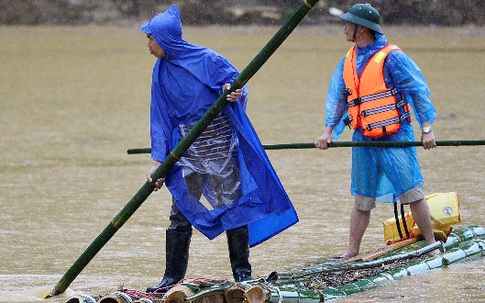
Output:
(348, 92)
(354, 102)
(347, 121)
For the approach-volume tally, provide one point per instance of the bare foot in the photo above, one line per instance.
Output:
(338, 259)
(347, 255)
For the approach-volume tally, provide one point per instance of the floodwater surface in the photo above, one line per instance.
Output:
(74, 99)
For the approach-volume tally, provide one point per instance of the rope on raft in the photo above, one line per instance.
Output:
(196, 285)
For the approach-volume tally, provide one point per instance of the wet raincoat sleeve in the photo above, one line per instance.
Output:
(160, 123)
(407, 78)
(336, 103)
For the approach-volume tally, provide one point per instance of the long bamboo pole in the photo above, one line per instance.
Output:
(180, 149)
(373, 144)
(307, 145)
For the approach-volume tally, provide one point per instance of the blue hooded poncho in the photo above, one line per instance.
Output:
(185, 83)
(384, 173)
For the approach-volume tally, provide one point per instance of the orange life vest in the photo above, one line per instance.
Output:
(371, 105)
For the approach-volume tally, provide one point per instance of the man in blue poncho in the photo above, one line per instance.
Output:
(224, 181)
(372, 91)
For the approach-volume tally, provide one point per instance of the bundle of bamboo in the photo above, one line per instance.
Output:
(320, 282)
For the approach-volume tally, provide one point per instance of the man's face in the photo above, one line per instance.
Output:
(349, 30)
(154, 48)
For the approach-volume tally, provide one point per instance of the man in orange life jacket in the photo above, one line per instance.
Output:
(372, 91)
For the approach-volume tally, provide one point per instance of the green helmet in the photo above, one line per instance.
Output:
(364, 15)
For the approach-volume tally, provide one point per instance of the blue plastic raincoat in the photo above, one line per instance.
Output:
(185, 83)
(383, 173)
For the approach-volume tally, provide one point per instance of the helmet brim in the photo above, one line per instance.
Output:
(362, 22)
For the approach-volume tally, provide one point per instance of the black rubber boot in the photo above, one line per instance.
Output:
(177, 258)
(238, 244)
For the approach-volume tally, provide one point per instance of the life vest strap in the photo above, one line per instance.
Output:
(386, 122)
(368, 98)
(381, 109)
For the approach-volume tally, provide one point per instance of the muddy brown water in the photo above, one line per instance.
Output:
(74, 99)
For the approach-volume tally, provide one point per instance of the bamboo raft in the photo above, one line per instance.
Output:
(318, 282)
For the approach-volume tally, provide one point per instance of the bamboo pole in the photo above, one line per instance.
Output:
(142, 194)
(308, 145)
(373, 144)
